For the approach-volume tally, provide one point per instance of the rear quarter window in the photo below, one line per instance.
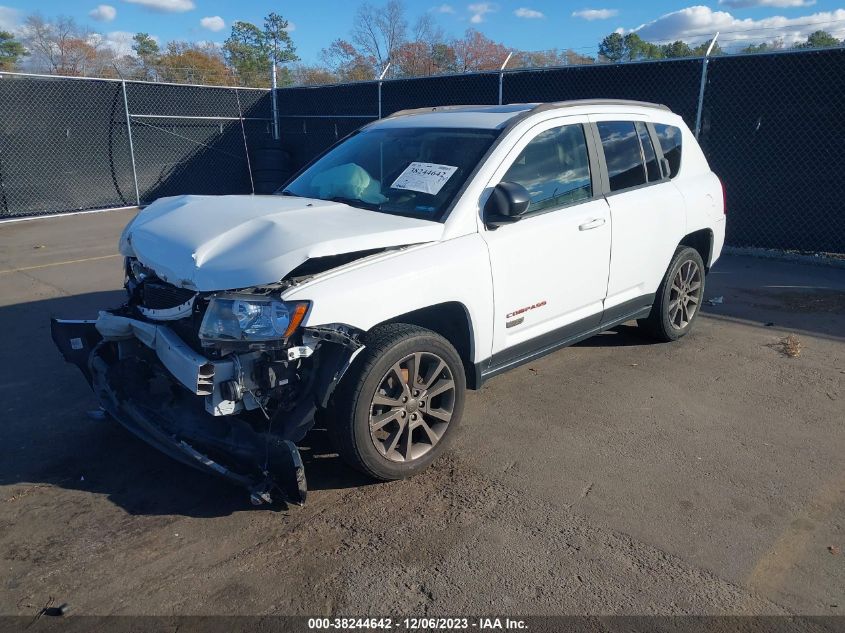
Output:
(669, 137)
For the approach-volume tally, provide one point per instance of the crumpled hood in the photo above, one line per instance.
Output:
(228, 242)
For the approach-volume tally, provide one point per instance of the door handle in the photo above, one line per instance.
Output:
(592, 224)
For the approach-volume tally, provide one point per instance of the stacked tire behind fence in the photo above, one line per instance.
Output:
(271, 167)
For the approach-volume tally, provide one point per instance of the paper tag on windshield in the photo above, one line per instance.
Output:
(424, 177)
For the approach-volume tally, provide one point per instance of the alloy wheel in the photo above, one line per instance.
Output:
(685, 294)
(412, 407)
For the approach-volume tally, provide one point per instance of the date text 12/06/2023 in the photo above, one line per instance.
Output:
(412, 624)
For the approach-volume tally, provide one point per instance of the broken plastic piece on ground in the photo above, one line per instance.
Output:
(260, 494)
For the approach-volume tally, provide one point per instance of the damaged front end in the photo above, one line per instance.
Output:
(225, 382)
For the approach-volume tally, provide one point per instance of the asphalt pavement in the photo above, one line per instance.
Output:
(618, 476)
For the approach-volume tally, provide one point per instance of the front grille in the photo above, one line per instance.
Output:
(158, 295)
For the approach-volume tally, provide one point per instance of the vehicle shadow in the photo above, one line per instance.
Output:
(621, 336)
(50, 439)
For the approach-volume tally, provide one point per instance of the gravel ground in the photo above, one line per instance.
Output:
(613, 477)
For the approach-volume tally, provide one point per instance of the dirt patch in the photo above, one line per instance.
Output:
(789, 346)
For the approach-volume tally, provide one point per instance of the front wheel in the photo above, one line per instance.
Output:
(678, 298)
(399, 404)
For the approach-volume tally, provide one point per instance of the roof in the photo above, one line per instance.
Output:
(491, 116)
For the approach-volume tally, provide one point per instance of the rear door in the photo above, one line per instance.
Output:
(647, 211)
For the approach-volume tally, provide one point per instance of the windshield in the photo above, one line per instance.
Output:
(403, 171)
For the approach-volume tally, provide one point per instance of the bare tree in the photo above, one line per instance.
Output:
(426, 30)
(475, 51)
(379, 31)
(424, 53)
(60, 45)
(303, 75)
(346, 62)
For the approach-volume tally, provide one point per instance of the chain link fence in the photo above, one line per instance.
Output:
(771, 125)
(70, 144)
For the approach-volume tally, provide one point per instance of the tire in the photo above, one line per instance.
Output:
(270, 175)
(273, 158)
(266, 181)
(265, 187)
(383, 369)
(669, 318)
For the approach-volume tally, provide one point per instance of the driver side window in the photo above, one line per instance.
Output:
(555, 168)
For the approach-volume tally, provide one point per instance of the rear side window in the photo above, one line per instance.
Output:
(669, 138)
(623, 154)
(651, 167)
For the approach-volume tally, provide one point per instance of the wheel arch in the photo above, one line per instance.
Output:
(702, 241)
(452, 321)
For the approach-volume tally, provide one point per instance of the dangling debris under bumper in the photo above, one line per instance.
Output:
(135, 388)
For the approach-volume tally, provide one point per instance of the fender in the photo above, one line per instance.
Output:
(414, 278)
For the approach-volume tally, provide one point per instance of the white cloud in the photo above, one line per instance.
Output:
(291, 27)
(444, 8)
(9, 19)
(213, 23)
(595, 14)
(165, 6)
(120, 42)
(103, 13)
(744, 4)
(695, 25)
(525, 12)
(479, 10)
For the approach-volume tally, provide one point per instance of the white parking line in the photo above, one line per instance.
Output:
(71, 261)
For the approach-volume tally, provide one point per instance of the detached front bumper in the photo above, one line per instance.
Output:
(140, 386)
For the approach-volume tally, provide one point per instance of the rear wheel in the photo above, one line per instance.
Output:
(678, 298)
(397, 408)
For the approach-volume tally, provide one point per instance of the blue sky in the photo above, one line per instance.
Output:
(522, 24)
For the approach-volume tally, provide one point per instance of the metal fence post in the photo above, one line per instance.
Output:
(274, 104)
(701, 88)
(502, 76)
(131, 146)
(380, 81)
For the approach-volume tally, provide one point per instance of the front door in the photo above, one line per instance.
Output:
(550, 269)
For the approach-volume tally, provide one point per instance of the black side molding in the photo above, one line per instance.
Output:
(562, 337)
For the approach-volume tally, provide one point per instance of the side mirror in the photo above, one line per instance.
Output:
(507, 204)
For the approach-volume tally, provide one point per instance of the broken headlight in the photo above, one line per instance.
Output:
(230, 319)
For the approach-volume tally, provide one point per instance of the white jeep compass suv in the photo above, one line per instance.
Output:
(421, 255)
